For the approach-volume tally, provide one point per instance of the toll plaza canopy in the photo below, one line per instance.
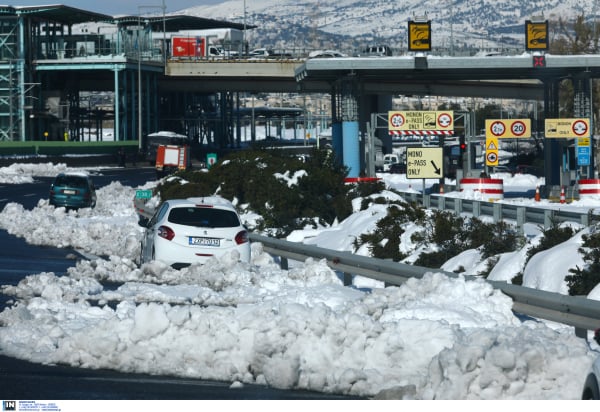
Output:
(57, 13)
(67, 15)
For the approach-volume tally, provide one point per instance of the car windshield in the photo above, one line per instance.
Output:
(203, 217)
(71, 181)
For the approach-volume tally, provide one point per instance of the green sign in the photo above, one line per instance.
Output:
(211, 159)
(143, 194)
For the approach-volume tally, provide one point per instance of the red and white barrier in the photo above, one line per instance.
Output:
(589, 188)
(485, 188)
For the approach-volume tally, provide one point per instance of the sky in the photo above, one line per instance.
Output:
(115, 7)
(255, 323)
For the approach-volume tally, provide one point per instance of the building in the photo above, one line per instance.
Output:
(65, 70)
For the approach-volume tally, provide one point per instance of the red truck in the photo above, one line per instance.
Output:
(194, 47)
(171, 158)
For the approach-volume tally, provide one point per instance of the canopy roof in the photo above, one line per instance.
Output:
(67, 15)
(57, 13)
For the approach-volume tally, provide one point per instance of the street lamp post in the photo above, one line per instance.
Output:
(243, 51)
(139, 56)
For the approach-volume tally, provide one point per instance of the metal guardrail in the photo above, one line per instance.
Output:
(501, 211)
(581, 313)
(576, 311)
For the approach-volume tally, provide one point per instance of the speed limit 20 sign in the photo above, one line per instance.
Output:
(508, 128)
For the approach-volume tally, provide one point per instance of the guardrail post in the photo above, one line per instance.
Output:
(283, 263)
(347, 279)
(441, 203)
(521, 220)
(426, 201)
(476, 208)
(548, 218)
(458, 205)
(585, 220)
(497, 212)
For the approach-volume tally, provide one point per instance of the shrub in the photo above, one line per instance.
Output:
(492, 238)
(552, 236)
(284, 190)
(583, 280)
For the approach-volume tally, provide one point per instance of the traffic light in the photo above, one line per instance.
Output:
(462, 144)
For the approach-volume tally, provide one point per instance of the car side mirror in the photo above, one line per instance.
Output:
(143, 221)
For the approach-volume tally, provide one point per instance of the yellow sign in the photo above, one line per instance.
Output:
(583, 141)
(536, 35)
(421, 120)
(419, 36)
(508, 128)
(491, 151)
(424, 162)
(567, 128)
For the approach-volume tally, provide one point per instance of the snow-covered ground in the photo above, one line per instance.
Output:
(434, 338)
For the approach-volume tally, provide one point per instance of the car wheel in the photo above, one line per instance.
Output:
(590, 389)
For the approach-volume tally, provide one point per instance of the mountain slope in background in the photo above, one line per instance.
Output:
(352, 24)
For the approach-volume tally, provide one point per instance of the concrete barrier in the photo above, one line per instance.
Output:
(490, 189)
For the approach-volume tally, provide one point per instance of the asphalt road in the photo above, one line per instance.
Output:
(22, 380)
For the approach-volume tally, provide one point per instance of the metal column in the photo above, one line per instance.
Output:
(337, 138)
(552, 147)
(350, 129)
(582, 107)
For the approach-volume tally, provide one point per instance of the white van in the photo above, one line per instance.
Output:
(388, 160)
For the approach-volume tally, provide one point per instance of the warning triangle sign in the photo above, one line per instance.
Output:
(492, 146)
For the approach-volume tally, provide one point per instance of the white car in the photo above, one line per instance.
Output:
(591, 388)
(186, 231)
(323, 54)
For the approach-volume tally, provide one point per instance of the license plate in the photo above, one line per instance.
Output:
(69, 192)
(205, 241)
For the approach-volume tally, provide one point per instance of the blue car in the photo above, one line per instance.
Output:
(73, 191)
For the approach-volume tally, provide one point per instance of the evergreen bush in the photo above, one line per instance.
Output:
(584, 280)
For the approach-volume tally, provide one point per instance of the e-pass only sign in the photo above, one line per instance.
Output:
(424, 162)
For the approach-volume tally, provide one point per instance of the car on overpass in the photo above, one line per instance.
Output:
(267, 53)
(324, 54)
(377, 50)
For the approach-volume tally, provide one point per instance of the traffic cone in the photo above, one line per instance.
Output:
(537, 193)
(562, 194)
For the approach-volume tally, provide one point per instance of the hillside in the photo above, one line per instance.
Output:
(349, 25)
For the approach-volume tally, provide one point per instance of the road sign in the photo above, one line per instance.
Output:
(424, 162)
(143, 194)
(419, 36)
(421, 120)
(491, 151)
(508, 128)
(397, 120)
(496, 128)
(580, 128)
(584, 149)
(211, 159)
(567, 128)
(536, 35)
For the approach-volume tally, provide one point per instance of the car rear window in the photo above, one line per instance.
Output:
(203, 217)
(71, 181)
